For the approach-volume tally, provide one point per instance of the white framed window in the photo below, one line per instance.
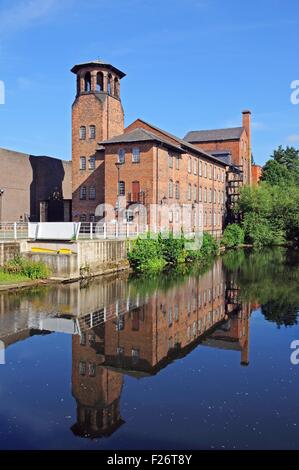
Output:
(92, 132)
(136, 155)
(82, 163)
(92, 163)
(121, 156)
(83, 193)
(189, 165)
(200, 194)
(205, 170)
(170, 160)
(195, 166)
(92, 193)
(200, 168)
(91, 369)
(177, 162)
(189, 192)
(82, 133)
(195, 193)
(82, 368)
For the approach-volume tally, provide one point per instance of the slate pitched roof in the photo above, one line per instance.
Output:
(183, 144)
(233, 133)
(139, 135)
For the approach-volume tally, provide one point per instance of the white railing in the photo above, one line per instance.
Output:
(84, 231)
(110, 230)
(13, 230)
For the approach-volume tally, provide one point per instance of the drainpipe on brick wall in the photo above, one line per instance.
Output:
(157, 185)
(213, 199)
(1, 202)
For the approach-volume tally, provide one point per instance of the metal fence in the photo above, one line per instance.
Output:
(13, 230)
(111, 230)
(85, 231)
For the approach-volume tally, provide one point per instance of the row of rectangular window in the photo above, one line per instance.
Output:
(92, 132)
(207, 220)
(197, 167)
(85, 191)
(135, 155)
(83, 218)
(92, 163)
(221, 195)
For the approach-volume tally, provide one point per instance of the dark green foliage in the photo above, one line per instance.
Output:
(233, 235)
(268, 278)
(154, 254)
(271, 210)
(283, 168)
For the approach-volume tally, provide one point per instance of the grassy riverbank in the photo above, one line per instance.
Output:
(20, 270)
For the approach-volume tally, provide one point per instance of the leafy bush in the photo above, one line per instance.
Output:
(233, 235)
(210, 246)
(144, 250)
(260, 231)
(153, 254)
(172, 249)
(27, 268)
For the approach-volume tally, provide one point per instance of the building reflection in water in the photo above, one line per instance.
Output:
(139, 337)
(121, 328)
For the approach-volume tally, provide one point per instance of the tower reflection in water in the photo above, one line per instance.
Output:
(138, 336)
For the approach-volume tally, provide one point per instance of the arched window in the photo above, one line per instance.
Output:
(92, 193)
(99, 85)
(92, 132)
(82, 163)
(87, 82)
(109, 84)
(116, 87)
(83, 193)
(82, 132)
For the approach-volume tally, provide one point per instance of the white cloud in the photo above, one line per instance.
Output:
(25, 13)
(293, 138)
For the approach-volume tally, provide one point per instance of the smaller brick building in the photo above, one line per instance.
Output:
(257, 172)
(35, 188)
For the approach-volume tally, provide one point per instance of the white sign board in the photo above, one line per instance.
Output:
(53, 230)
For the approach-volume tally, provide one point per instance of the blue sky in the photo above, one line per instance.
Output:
(190, 64)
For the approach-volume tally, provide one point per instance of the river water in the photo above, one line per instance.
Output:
(186, 360)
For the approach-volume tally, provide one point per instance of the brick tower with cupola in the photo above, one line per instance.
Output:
(97, 115)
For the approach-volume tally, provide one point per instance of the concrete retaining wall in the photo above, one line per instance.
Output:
(61, 266)
(88, 258)
(9, 250)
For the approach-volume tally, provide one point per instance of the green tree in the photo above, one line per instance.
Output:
(283, 167)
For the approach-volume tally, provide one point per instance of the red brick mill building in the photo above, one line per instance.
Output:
(146, 165)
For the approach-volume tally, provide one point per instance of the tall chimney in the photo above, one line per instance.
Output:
(246, 118)
(246, 123)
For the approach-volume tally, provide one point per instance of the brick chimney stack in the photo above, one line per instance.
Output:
(246, 123)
